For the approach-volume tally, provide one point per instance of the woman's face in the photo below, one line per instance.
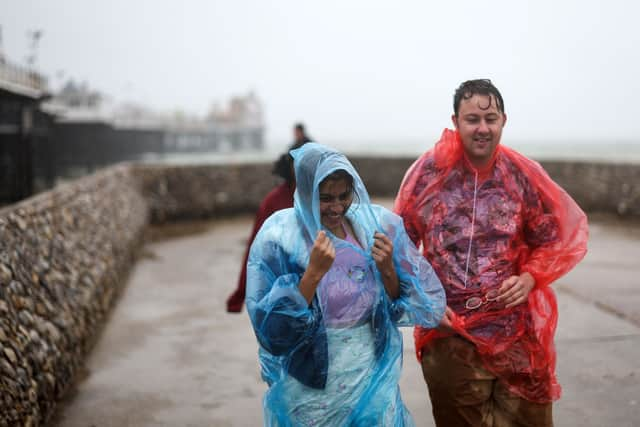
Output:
(335, 198)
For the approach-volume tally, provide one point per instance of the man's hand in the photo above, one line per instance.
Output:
(515, 290)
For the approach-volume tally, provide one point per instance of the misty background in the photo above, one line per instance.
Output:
(362, 75)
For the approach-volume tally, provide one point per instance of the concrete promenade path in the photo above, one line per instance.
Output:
(171, 355)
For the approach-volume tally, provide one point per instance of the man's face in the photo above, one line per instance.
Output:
(480, 124)
(298, 135)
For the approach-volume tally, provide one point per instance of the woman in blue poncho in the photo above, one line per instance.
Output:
(328, 283)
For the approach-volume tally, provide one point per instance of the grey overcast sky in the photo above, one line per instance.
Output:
(353, 69)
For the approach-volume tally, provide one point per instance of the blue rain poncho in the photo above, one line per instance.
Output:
(335, 361)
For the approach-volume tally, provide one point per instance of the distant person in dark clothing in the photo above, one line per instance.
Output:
(281, 197)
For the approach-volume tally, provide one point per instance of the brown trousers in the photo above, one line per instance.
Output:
(464, 393)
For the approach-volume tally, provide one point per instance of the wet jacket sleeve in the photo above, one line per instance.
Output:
(555, 229)
(264, 211)
(277, 199)
(422, 299)
(405, 201)
(281, 318)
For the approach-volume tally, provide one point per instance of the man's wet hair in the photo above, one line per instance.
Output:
(477, 87)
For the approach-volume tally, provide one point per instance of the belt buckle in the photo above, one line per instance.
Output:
(475, 302)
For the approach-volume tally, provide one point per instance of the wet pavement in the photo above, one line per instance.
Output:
(170, 355)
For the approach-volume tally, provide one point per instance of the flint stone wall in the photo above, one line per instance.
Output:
(600, 187)
(597, 187)
(178, 193)
(193, 192)
(64, 254)
(63, 258)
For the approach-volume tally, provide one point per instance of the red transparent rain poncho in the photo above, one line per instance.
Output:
(478, 228)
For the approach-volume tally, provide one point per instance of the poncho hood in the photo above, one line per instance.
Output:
(312, 164)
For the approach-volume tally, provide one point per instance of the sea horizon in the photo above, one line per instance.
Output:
(613, 151)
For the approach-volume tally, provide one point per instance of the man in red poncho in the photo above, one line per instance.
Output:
(498, 231)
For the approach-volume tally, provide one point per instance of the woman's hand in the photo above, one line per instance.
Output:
(320, 261)
(382, 253)
(322, 254)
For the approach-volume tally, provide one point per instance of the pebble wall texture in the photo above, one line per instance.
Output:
(177, 193)
(597, 187)
(64, 254)
(63, 258)
(197, 192)
(600, 187)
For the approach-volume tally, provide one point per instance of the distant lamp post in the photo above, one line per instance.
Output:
(34, 37)
(2, 60)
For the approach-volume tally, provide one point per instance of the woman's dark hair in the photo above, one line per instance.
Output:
(477, 87)
(339, 175)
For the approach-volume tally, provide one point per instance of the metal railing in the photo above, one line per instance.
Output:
(22, 76)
